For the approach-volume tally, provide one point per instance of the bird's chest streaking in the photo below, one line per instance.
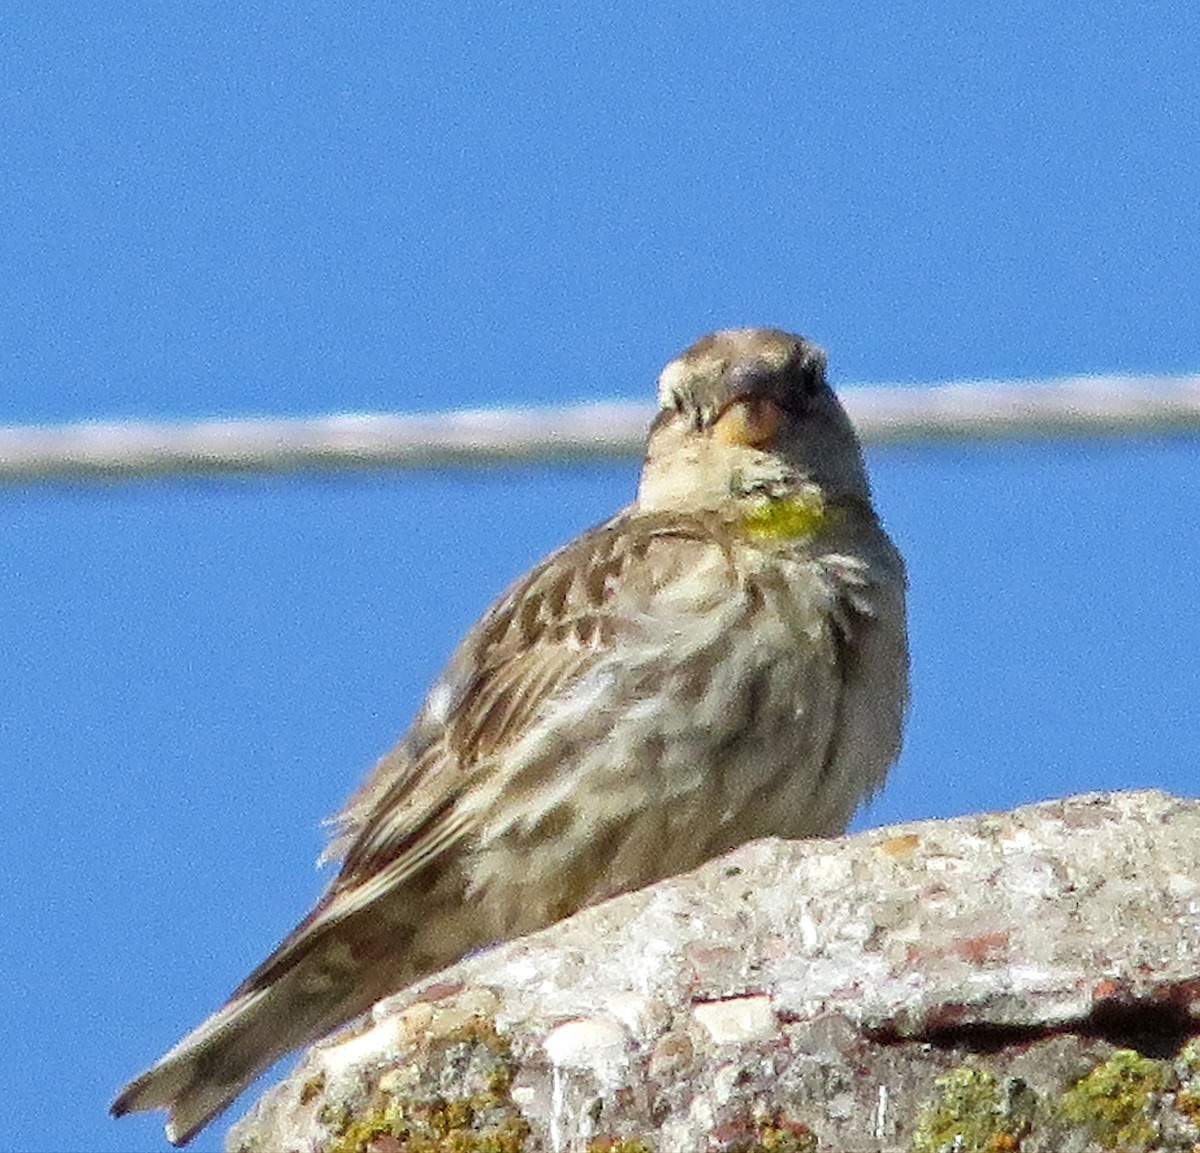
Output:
(710, 719)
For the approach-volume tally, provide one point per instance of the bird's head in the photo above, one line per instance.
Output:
(746, 413)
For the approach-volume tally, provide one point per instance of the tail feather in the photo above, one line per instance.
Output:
(202, 1075)
(191, 1104)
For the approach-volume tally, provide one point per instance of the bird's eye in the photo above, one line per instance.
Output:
(812, 377)
(796, 402)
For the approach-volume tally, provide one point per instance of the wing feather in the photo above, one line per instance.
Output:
(536, 642)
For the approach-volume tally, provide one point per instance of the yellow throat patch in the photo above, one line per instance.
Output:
(790, 518)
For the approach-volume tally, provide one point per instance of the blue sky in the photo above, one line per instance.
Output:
(305, 208)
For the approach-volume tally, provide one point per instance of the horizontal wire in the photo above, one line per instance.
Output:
(1075, 406)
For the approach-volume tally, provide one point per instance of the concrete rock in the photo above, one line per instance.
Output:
(1014, 981)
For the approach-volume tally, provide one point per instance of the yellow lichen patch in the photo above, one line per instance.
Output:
(618, 1145)
(974, 1113)
(1189, 1058)
(1188, 1103)
(779, 1136)
(437, 1126)
(481, 1030)
(902, 845)
(312, 1089)
(790, 518)
(484, 1119)
(1186, 1068)
(1115, 1101)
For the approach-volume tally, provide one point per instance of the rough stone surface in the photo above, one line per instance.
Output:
(1015, 981)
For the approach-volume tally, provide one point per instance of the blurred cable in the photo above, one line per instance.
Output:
(1077, 406)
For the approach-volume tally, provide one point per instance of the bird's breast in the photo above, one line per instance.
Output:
(707, 724)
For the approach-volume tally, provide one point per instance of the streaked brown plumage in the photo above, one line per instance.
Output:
(725, 659)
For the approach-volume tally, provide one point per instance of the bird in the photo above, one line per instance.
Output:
(724, 659)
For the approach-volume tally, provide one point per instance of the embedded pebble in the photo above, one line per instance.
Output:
(585, 1042)
(737, 1019)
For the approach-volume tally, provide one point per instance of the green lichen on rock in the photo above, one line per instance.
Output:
(1116, 1102)
(767, 1132)
(1186, 1068)
(1187, 1063)
(437, 1126)
(312, 1088)
(974, 1112)
(777, 1134)
(1126, 1102)
(484, 1119)
(479, 1039)
(781, 1136)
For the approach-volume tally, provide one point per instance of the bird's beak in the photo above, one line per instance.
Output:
(748, 421)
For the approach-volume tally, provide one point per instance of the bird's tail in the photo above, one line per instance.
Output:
(288, 1002)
